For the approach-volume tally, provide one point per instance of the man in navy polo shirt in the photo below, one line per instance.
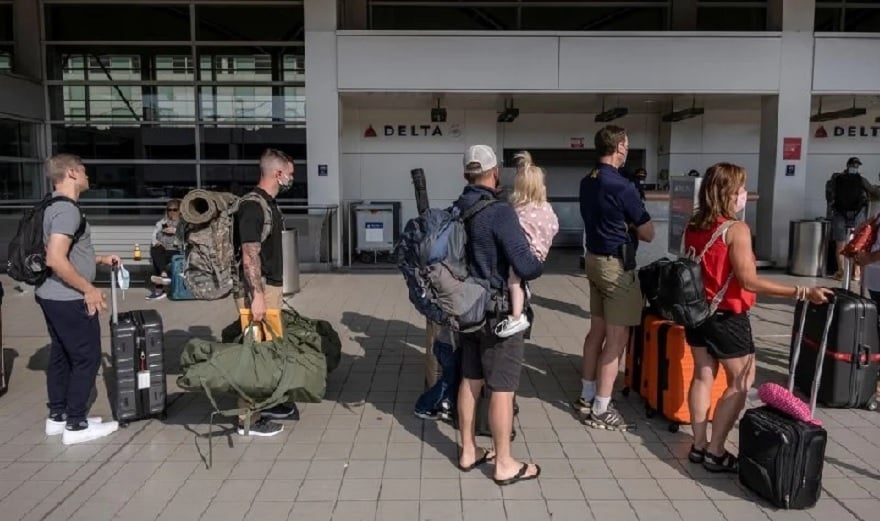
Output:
(614, 218)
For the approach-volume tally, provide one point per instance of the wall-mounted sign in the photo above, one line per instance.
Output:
(791, 149)
(322, 170)
(432, 130)
(871, 131)
(576, 142)
(789, 170)
(682, 203)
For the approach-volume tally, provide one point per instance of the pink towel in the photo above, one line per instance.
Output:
(784, 401)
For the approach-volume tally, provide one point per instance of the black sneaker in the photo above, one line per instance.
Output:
(262, 427)
(281, 412)
(610, 420)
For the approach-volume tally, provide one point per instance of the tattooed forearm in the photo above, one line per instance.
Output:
(253, 269)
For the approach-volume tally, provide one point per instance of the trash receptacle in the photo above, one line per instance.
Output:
(807, 243)
(290, 259)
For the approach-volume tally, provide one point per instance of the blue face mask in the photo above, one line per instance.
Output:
(123, 279)
(852, 170)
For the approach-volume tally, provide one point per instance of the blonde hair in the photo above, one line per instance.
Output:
(528, 183)
(718, 190)
(58, 165)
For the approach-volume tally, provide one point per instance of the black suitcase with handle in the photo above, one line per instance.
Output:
(781, 458)
(852, 359)
(137, 352)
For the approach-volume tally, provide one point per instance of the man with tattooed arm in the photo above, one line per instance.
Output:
(258, 228)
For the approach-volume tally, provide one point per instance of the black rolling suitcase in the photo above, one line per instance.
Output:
(136, 343)
(852, 361)
(781, 458)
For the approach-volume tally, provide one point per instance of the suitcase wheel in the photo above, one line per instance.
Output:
(672, 427)
(123, 425)
(162, 416)
(872, 405)
(625, 392)
(649, 412)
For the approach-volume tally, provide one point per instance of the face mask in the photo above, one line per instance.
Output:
(741, 202)
(123, 279)
(852, 170)
(284, 186)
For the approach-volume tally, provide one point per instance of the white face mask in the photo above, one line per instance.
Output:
(853, 170)
(741, 200)
(123, 279)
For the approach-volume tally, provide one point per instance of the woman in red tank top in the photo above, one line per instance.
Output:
(726, 338)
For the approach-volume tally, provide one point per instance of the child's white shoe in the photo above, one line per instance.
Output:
(511, 326)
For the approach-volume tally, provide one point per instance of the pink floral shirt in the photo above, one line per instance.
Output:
(540, 223)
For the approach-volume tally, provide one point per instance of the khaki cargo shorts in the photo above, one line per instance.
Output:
(615, 294)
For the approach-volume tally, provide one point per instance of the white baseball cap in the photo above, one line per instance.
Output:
(483, 155)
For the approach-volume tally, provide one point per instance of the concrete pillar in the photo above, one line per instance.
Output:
(323, 113)
(27, 59)
(786, 116)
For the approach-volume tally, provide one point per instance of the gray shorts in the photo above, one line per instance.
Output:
(839, 224)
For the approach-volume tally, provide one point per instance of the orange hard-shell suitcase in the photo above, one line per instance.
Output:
(667, 372)
(643, 340)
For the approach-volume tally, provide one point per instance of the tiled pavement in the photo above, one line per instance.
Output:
(360, 455)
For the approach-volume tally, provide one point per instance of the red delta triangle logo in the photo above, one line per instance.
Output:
(370, 132)
(821, 132)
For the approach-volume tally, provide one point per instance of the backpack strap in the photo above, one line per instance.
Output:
(81, 230)
(481, 205)
(716, 300)
(267, 213)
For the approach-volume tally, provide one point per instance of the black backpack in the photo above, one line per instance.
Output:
(27, 250)
(849, 194)
(675, 290)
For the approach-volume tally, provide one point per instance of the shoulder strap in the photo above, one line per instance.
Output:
(716, 300)
(481, 205)
(267, 213)
(81, 230)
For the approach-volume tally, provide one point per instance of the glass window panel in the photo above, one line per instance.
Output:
(294, 67)
(5, 58)
(295, 104)
(122, 22)
(120, 63)
(241, 143)
(281, 23)
(123, 103)
(618, 18)
(827, 20)
(117, 181)
(6, 23)
(732, 19)
(240, 179)
(18, 138)
(238, 103)
(116, 142)
(862, 20)
(233, 67)
(174, 67)
(463, 18)
(20, 180)
(174, 103)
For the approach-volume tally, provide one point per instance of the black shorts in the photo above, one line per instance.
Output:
(724, 335)
(485, 356)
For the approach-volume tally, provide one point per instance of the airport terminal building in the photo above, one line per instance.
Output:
(164, 96)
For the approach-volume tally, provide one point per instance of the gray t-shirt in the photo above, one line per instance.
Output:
(64, 217)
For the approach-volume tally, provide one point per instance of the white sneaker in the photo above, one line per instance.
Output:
(160, 281)
(511, 326)
(54, 428)
(92, 432)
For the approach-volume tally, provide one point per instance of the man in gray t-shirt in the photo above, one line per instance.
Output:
(71, 305)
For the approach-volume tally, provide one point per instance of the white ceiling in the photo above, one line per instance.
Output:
(578, 103)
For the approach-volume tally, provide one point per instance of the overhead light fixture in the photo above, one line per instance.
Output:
(851, 112)
(610, 115)
(682, 115)
(438, 114)
(509, 114)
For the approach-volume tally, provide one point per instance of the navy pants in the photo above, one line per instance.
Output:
(74, 356)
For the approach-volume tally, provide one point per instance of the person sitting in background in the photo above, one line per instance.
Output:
(166, 245)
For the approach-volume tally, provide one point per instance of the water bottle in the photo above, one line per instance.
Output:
(137, 252)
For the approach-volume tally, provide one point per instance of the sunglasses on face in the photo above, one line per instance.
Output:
(173, 209)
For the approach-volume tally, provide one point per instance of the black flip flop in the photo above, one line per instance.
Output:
(520, 476)
(483, 459)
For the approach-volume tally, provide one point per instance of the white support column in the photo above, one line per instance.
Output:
(323, 111)
(786, 116)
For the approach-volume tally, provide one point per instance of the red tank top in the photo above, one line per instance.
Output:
(716, 268)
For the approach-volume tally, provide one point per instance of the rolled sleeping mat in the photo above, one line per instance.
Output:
(198, 206)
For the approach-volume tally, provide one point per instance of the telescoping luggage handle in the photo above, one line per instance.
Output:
(114, 309)
(820, 358)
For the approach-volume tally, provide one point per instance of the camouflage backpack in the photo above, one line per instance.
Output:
(212, 266)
